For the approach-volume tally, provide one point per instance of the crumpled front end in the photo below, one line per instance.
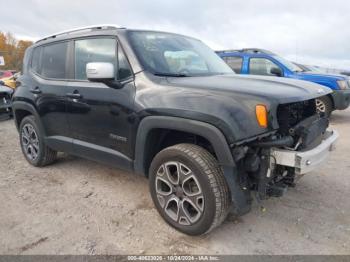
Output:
(303, 142)
(5, 105)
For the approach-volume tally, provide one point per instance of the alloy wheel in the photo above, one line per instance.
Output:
(179, 193)
(320, 106)
(30, 142)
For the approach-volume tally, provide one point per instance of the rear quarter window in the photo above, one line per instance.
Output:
(36, 62)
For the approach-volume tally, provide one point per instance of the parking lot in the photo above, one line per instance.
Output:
(80, 207)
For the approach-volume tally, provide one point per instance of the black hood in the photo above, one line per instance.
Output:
(225, 101)
(281, 90)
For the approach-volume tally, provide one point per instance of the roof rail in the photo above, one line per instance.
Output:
(247, 50)
(257, 50)
(74, 30)
(228, 50)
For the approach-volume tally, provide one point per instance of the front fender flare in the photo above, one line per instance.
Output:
(214, 136)
(239, 198)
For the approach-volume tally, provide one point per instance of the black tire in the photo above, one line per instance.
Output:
(45, 155)
(211, 184)
(324, 105)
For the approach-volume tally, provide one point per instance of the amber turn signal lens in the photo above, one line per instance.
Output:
(261, 115)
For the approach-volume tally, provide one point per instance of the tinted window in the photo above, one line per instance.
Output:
(124, 70)
(53, 61)
(36, 62)
(261, 66)
(235, 62)
(93, 50)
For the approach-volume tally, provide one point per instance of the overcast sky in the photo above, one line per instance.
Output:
(311, 32)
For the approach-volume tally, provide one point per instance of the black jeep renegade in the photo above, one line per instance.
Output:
(167, 107)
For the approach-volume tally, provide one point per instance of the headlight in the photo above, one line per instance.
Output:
(261, 115)
(342, 84)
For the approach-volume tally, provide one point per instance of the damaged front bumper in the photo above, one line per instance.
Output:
(5, 108)
(306, 160)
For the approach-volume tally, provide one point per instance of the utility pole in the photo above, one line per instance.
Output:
(296, 50)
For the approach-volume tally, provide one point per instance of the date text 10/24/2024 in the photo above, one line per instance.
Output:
(173, 258)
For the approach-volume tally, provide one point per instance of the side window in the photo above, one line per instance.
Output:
(53, 61)
(93, 50)
(124, 70)
(261, 66)
(235, 62)
(36, 60)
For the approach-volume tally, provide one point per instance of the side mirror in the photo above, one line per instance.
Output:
(99, 72)
(103, 73)
(276, 71)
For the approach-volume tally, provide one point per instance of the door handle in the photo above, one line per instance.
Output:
(74, 95)
(35, 90)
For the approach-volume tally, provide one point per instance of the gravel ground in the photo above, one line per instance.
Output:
(80, 207)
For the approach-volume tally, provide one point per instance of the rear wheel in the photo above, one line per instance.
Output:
(188, 189)
(33, 145)
(324, 105)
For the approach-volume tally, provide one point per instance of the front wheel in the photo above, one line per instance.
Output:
(188, 189)
(324, 105)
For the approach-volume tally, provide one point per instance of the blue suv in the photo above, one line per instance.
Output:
(262, 62)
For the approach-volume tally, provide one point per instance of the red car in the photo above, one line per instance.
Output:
(6, 73)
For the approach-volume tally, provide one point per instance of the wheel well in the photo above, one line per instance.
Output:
(332, 100)
(20, 114)
(158, 139)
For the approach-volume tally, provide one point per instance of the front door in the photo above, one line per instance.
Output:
(262, 66)
(100, 117)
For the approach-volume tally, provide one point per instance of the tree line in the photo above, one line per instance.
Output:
(12, 50)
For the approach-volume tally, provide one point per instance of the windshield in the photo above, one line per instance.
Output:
(316, 69)
(175, 55)
(288, 64)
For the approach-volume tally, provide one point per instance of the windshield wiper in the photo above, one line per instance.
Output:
(170, 74)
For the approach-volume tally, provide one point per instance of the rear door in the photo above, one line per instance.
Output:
(99, 116)
(49, 87)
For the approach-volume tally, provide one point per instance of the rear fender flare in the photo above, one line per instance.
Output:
(20, 105)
